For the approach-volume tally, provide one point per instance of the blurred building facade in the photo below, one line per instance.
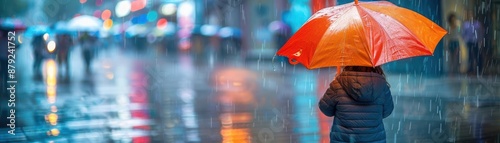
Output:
(254, 19)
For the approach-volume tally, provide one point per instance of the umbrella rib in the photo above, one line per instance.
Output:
(386, 34)
(369, 47)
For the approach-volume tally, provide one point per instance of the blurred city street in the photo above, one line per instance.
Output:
(143, 71)
(180, 98)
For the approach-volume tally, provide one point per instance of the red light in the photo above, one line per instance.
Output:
(138, 5)
(106, 14)
(162, 23)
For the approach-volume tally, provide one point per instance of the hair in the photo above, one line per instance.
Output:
(451, 17)
(376, 69)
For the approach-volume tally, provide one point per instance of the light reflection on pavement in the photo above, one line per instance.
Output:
(177, 98)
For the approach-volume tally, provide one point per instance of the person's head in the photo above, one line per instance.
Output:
(376, 69)
(452, 19)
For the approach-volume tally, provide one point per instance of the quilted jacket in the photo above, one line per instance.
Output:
(358, 101)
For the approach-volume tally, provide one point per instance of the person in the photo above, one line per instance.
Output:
(359, 98)
(454, 40)
(39, 47)
(473, 35)
(87, 43)
(64, 43)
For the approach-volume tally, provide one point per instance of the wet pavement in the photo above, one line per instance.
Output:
(148, 97)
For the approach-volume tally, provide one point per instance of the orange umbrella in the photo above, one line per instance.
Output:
(362, 34)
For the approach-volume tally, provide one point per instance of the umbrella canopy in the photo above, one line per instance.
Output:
(85, 23)
(362, 34)
(61, 27)
(12, 24)
(36, 30)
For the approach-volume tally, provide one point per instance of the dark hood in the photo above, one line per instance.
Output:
(363, 86)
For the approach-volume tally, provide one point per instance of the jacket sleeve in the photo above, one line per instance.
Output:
(327, 104)
(388, 104)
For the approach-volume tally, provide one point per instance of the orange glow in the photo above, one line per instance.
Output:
(52, 118)
(106, 14)
(235, 85)
(51, 72)
(83, 1)
(51, 94)
(108, 23)
(235, 118)
(54, 132)
(231, 133)
(138, 5)
(162, 23)
(51, 80)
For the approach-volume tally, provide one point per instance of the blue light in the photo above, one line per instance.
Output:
(141, 19)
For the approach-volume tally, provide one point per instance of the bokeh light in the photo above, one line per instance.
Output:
(52, 118)
(46, 36)
(97, 13)
(51, 46)
(106, 14)
(54, 132)
(108, 23)
(141, 19)
(98, 2)
(138, 5)
(152, 16)
(168, 9)
(162, 23)
(83, 1)
(20, 38)
(186, 9)
(122, 8)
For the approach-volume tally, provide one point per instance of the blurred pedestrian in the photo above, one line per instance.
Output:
(455, 44)
(64, 44)
(87, 43)
(473, 35)
(39, 47)
(359, 98)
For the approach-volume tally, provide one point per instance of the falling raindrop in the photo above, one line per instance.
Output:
(409, 126)
(273, 63)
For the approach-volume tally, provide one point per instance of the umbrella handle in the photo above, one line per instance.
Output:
(356, 2)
